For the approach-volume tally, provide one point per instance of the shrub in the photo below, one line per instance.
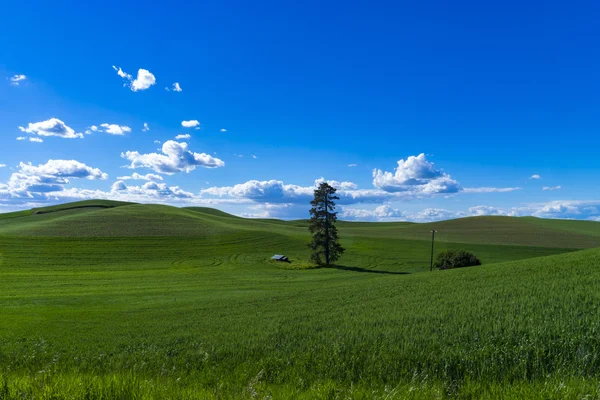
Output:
(456, 259)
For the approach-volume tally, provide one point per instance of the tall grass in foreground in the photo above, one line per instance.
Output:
(512, 330)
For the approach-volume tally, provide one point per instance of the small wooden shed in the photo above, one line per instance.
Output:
(280, 257)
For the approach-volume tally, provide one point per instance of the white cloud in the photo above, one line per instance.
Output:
(51, 127)
(150, 190)
(268, 191)
(143, 81)
(386, 213)
(31, 139)
(415, 174)
(114, 129)
(183, 136)
(157, 141)
(547, 188)
(32, 181)
(490, 190)
(136, 176)
(381, 213)
(223, 130)
(337, 184)
(486, 210)
(2, 165)
(91, 129)
(176, 87)
(146, 128)
(63, 168)
(15, 80)
(190, 124)
(274, 191)
(175, 158)
(122, 73)
(567, 209)
(352, 165)
(535, 176)
(255, 157)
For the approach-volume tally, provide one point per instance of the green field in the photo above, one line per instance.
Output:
(116, 300)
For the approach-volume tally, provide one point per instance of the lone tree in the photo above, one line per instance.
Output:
(325, 243)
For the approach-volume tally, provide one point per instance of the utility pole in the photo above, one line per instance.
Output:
(433, 231)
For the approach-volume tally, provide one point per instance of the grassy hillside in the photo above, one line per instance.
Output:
(395, 247)
(148, 301)
(225, 329)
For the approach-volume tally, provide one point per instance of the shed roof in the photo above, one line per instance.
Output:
(278, 257)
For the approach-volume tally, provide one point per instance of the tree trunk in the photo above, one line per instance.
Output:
(326, 229)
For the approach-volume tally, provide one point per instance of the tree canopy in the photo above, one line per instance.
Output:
(325, 245)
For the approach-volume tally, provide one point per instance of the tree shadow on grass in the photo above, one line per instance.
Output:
(372, 271)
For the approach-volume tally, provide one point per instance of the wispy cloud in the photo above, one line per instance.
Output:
(16, 80)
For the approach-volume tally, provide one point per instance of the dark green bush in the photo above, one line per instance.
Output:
(456, 259)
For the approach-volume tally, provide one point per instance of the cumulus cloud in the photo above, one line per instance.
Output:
(183, 136)
(415, 174)
(176, 87)
(37, 180)
(381, 213)
(146, 128)
(190, 124)
(487, 210)
(51, 127)
(386, 213)
(63, 168)
(275, 191)
(535, 176)
(223, 130)
(16, 80)
(269, 191)
(114, 129)
(337, 184)
(91, 129)
(151, 190)
(2, 165)
(569, 209)
(549, 188)
(175, 158)
(143, 81)
(136, 176)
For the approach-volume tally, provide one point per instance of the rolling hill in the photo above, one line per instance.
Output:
(115, 300)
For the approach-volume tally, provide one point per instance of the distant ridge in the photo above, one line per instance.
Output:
(106, 218)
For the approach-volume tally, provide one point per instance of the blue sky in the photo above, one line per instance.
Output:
(288, 93)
